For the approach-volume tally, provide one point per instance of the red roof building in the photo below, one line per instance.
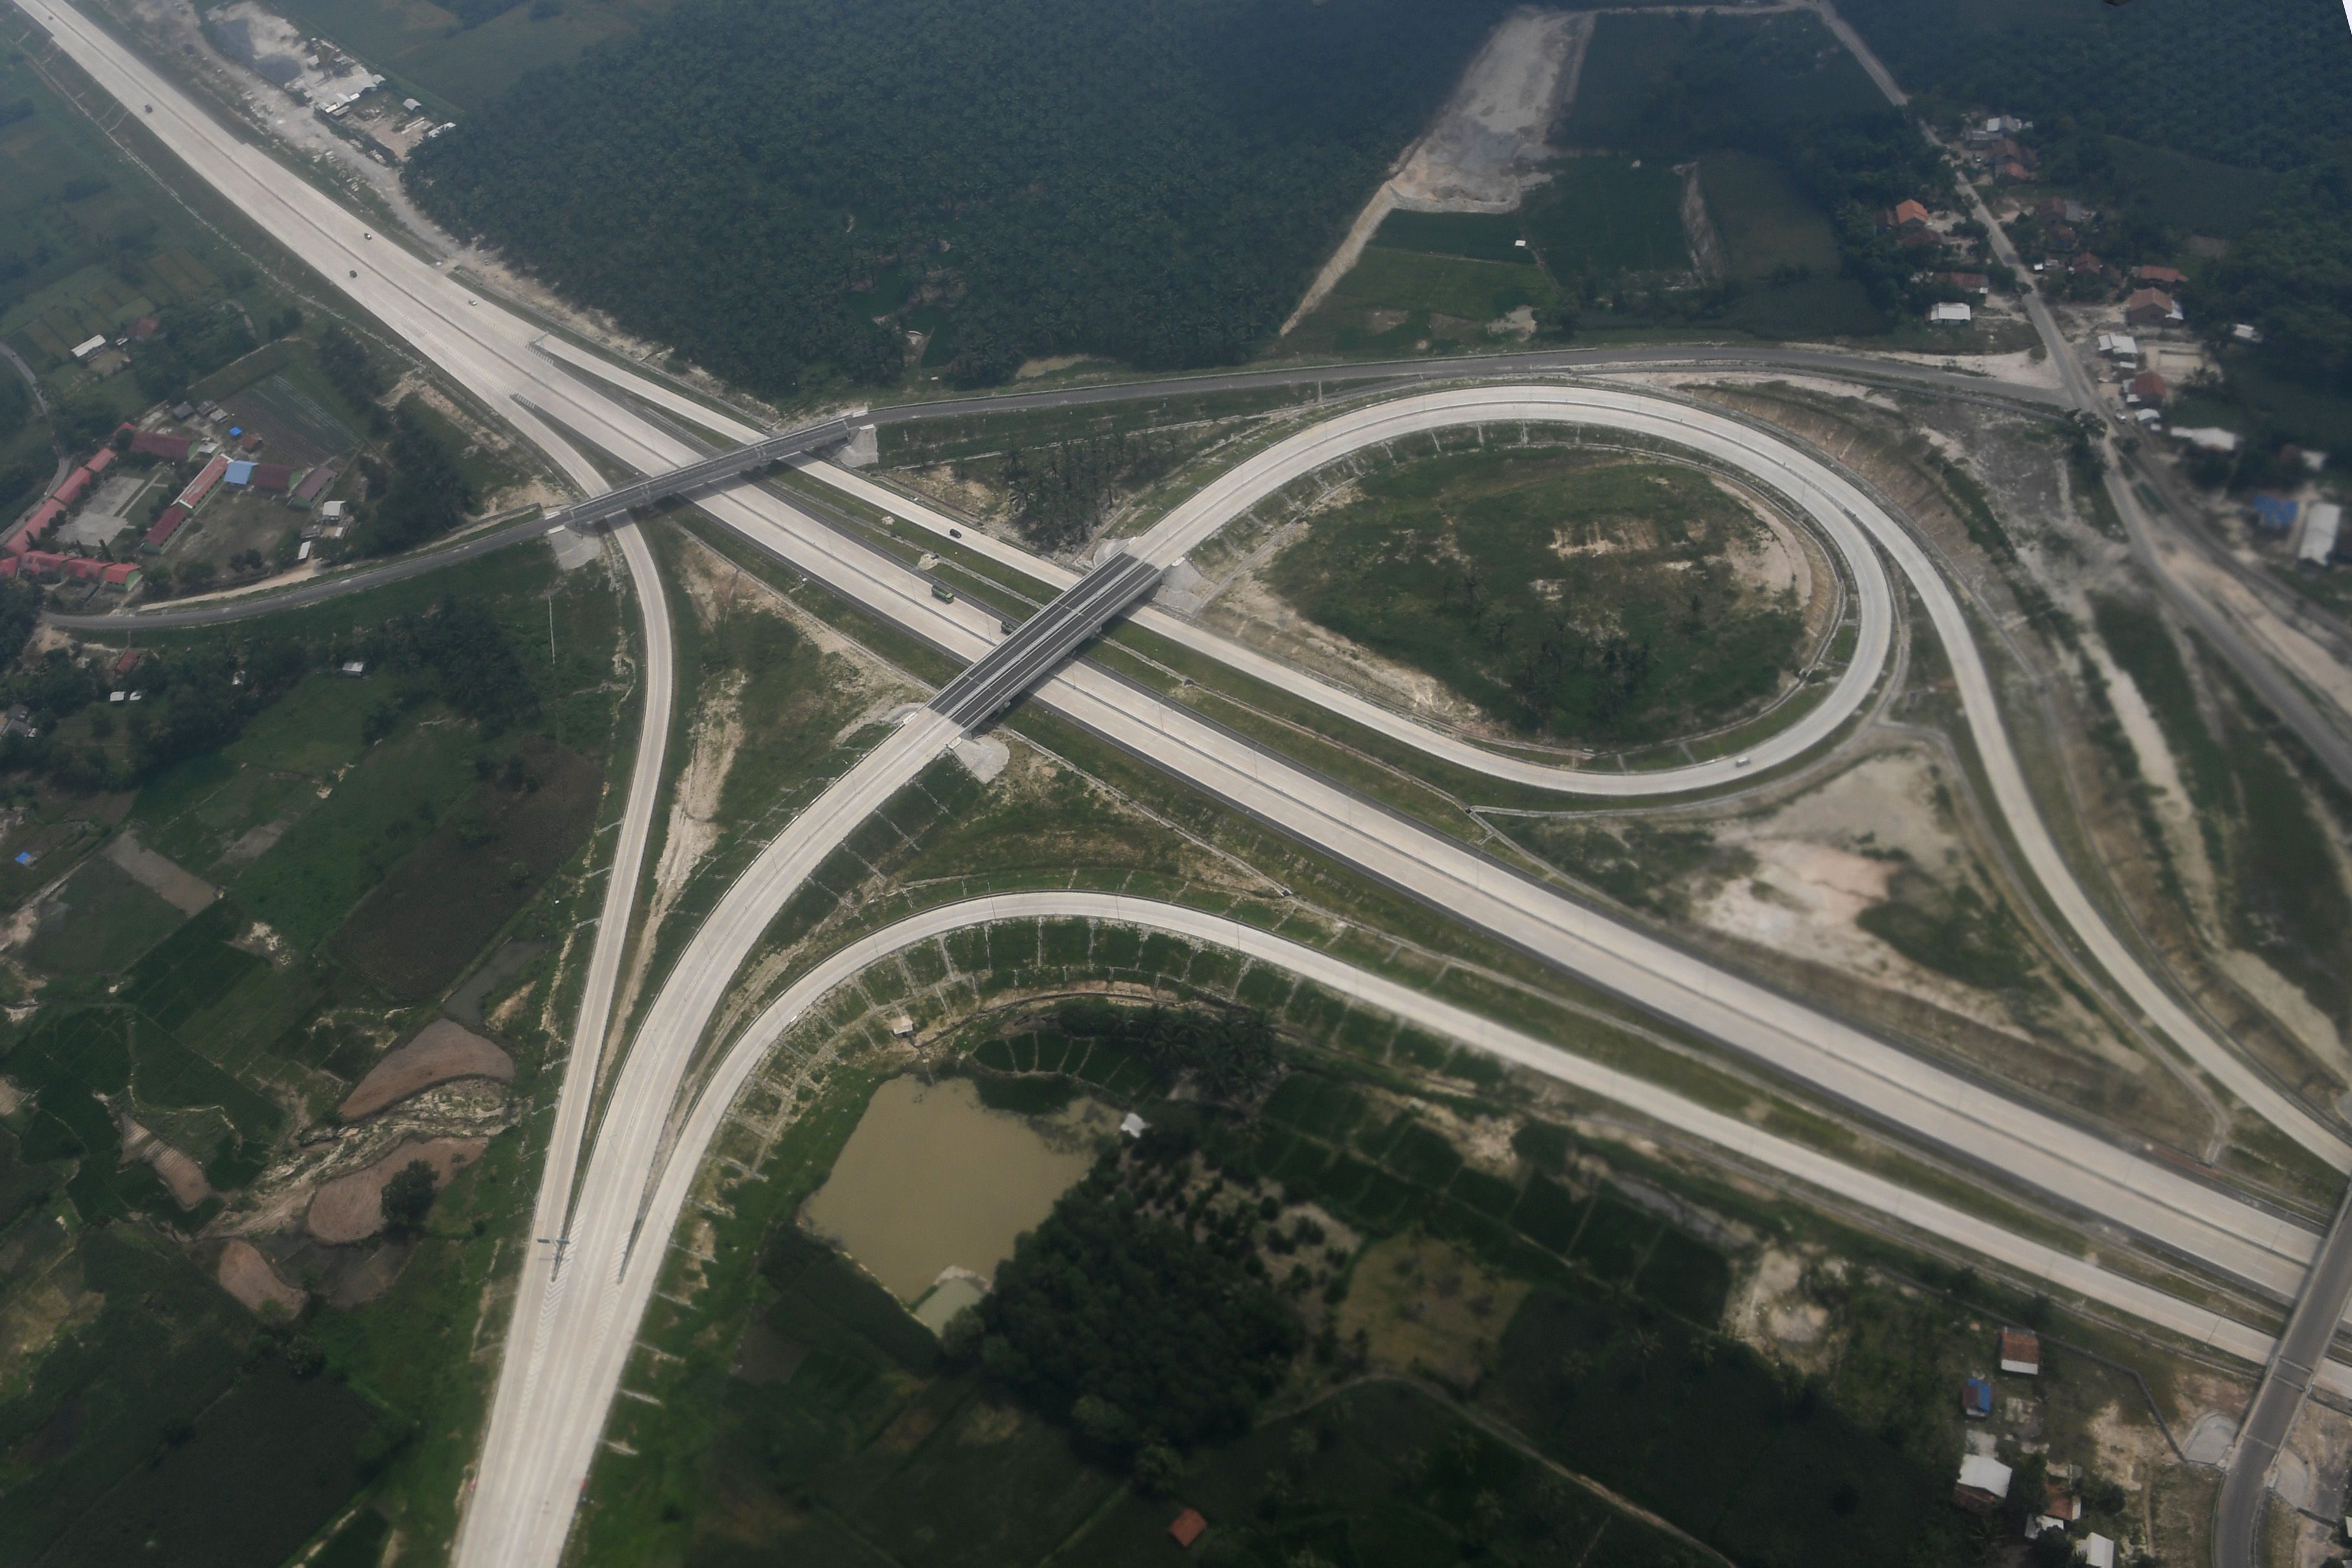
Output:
(41, 564)
(2164, 275)
(122, 574)
(71, 490)
(83, 569)
(315, 480)
(128, 662)
(274, 477)
(173, 449)
(1188, 1527)
(165, 526)
(100, 461)
(2088, 263)
(45, 514)
(253, 440)
(202, 485)
(1916, 238)
(8, 565)
(2150, 308)
(1908, 214)
(144, 328)
(2014, 170)
(2148, 387)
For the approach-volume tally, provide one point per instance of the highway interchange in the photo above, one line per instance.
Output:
(574, 1322)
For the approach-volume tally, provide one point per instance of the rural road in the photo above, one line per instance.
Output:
(2320, 1306)
(541, 1461)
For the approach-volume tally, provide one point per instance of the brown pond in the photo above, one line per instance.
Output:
(931, 1179)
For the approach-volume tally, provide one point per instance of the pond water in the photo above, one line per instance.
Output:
(931, 1179)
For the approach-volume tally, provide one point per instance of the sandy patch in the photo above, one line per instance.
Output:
(1773, 1314)
(350, 1208)
(183, 891)
(255, 842)
(1487, 147)
(182, 1175)
(245, 1274)
(445, 1049)
(1774, 562)
(1826, 857)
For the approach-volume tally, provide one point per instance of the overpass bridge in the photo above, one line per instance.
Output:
(700, 474)
(996, 679)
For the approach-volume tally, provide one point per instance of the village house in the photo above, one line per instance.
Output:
(2151, 307)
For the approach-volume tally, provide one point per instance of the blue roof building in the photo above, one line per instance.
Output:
(1976, 1399)
(2275, 513)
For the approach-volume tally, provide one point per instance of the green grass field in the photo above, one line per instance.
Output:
(1479, 236)
(1403, 301)
(1764, 221)
(106, 919)
(1604, 216)
(1582, 600)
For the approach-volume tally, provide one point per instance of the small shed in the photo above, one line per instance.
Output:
(1983, 1484)
(1976, 1399)
(1186, 1528)
(2021, 1352)
(1949, 315)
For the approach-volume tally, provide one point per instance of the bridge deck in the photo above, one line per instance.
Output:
(998, 677)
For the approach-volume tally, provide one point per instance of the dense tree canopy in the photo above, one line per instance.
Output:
(1131, 1330)
(427, 495)
(756, 182)
(2261, 83)
(2292, 276)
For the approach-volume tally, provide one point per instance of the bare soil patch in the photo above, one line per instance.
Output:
(444, 1050)
(183, 891)
(1487, 146)
(350, 1208)
(420, 928)
(182, 1175)
(245, 1274)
